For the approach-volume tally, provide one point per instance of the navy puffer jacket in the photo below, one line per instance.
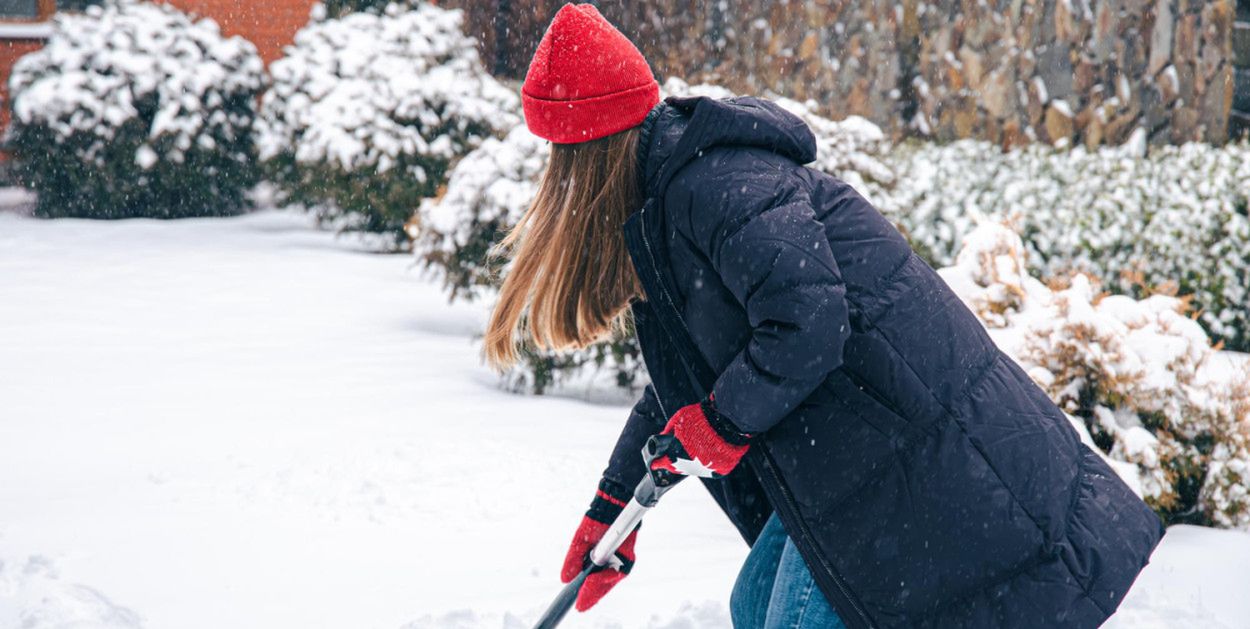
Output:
(925, 479)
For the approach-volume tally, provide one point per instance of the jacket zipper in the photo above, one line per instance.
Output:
(780, 489)
(662, 411)
(655, 267)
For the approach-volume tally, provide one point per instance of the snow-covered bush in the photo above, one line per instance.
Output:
(991, 276)
(369, 111)
(1141, 376)
(133, 109)
(1130, 219)
(1133, 370)
(614, 363)
(486, 195)
(1225, 495)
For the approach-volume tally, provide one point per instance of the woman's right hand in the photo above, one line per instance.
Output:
(711, 446)
(609, 500)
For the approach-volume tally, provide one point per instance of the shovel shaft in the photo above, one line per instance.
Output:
(600, 555)
(646, 495)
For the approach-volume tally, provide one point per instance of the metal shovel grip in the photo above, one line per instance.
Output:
(653, 485)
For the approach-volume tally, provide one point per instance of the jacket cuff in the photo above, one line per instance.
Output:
(725, 429)
(610, 500)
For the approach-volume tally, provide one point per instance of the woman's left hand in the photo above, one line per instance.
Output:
(711, 445)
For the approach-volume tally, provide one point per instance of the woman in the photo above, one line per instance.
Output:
(889, 465)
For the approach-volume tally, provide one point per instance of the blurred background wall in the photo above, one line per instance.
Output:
(270, 24)
(1009, 71)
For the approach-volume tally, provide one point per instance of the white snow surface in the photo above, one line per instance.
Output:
(246, 422)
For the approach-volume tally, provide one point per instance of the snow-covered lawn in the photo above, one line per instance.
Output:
(249, 423)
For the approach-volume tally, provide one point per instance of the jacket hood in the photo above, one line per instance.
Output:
(680, 128)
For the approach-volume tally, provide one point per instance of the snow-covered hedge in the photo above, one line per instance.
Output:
(486, 195)
(369, 111)
(490, 189)
(1131, 219)
(133, 109)
(1141, 376)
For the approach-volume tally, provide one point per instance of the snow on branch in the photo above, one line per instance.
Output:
(369, 111)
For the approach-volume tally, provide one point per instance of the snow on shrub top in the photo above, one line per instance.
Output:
(990, 275)
(107, 67)
(499, 179)
(366, 91)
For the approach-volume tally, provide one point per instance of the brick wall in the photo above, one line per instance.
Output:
(10, 51)
(270, 24)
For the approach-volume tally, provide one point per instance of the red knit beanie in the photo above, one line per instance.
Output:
(587, 80)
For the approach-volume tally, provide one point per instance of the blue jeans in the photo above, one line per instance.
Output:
(775, 590)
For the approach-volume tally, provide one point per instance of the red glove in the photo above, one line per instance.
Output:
(713, 445)
(608, 503)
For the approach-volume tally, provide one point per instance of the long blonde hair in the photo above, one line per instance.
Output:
(571, 278)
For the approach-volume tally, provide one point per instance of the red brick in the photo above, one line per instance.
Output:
(10, 51)
(270, 25)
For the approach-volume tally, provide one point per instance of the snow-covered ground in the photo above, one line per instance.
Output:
(248, 423)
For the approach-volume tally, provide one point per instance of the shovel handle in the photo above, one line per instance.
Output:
(653, 485)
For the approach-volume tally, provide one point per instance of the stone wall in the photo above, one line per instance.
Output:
(1239, 119)
(1064, 70)
(839, 52)
(1010, 71)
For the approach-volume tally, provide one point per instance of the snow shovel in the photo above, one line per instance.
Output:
(646, 495)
